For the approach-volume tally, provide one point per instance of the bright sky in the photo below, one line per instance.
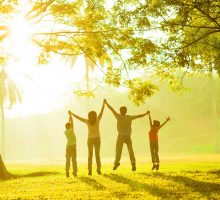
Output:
(44, 88)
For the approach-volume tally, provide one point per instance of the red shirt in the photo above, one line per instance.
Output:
(153, 134)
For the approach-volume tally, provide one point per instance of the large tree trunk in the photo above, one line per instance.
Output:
(4, 174)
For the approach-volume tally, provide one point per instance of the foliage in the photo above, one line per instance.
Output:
(116, 38)
(193, 29)
(81, 93)
(140, 90)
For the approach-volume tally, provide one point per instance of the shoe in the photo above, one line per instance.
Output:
(133, 167)
(154, 167)
(116, 166)
(67, 174)
(75, 174)
(99, 172)
(157, 167)
(90, 173)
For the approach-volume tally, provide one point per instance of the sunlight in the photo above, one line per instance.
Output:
(44, 88)
(20, 29)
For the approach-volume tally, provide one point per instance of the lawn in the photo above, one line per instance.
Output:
(177, 179)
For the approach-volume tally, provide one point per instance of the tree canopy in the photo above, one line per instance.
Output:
(154, 38)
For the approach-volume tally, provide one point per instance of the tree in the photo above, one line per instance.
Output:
(193, 45)
(189, 43)
(117, 39)
(9, 93)
(4, 174)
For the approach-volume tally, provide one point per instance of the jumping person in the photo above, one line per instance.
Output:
(93, 137)
(124, 134)
(153, 138)
(70, 147)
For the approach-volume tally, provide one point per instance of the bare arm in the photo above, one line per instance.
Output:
(71, 121)
(78, 117)
(102, 109)
(164, 122)
(113, 111)
(139, 116)
(150, 120)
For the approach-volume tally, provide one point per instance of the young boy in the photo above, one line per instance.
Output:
(153, 137)
(70, 147)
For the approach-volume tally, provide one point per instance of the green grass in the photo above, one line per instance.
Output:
(192, 178)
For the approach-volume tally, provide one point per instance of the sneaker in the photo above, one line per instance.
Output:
(67, 174)
(116, 166)
(154, 167)
(90, 173)
(157, 167)
(99, 172)
(133, 167)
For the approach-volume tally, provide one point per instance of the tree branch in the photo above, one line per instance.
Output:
(211, 18)
(200, 38)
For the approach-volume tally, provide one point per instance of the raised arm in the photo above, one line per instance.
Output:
(168, 118)
(139, 116)
(78, 117)
(102, 109)
(70, 120)
(150, 120)
(113, 111)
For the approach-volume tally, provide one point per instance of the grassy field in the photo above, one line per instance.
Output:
(192, 178)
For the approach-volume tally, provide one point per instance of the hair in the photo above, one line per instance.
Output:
(156, 123)
(68, 125)
(92, 117)
(123, 110)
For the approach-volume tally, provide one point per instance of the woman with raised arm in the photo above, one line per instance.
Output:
(94, 141)
(155, 126)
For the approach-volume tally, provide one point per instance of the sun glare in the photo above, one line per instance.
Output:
(20, 29)
(44, 88)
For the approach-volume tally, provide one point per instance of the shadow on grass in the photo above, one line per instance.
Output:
(215, 172)
(37, 174)
(92, 182)
(138, 186)
(202, 187)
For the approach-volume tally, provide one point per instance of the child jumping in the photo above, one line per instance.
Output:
(70, 147)
(153, 138)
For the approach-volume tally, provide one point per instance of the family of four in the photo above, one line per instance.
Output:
(124, 136)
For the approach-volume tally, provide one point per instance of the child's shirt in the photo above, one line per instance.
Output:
(70, 136)
(153, 134)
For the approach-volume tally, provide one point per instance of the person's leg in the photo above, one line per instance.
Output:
(74, 162)
(68, 155)
(90, 152)
(131, 153)
(119, 146)
(97, 155)
(152, 150)
(157, 155)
